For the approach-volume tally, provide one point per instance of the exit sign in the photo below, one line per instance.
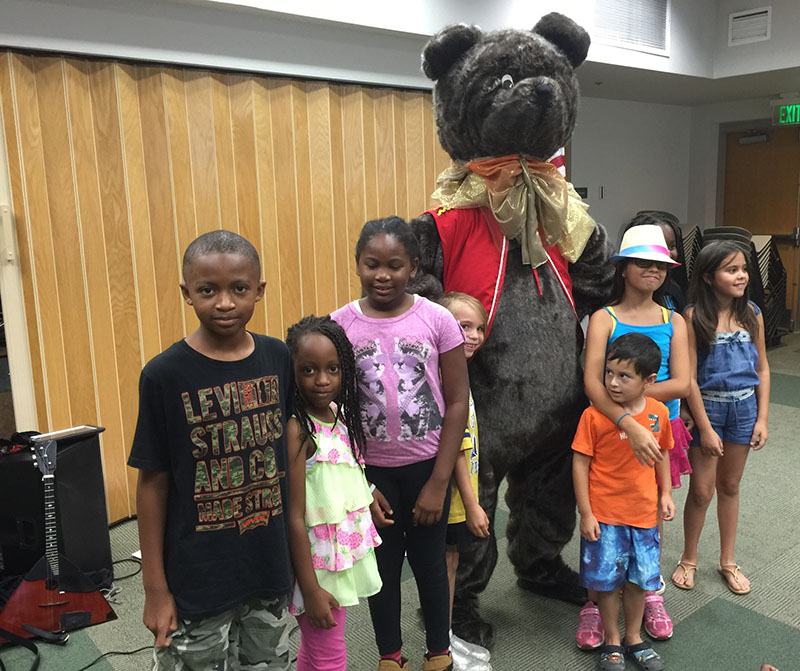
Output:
(786, 115)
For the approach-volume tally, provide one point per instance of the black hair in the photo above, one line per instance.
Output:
(220, 242)
(618, 288)
(348, 402)
(641, 350)
(394, 226)
(705, 314)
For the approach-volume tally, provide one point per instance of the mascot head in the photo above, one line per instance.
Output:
(506, 92)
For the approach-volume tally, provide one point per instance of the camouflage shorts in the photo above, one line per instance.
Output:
(251, 637)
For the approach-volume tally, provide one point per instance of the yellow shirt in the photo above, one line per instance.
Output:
(469, 448)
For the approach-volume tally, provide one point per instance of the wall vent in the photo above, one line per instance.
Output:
(640, 25)
(752, 25)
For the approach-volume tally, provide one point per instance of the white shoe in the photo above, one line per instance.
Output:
(467, 649)
(662, 586)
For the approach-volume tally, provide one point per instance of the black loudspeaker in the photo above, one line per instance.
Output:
(81, 516)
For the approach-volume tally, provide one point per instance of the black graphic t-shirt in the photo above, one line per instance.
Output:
(218, 428)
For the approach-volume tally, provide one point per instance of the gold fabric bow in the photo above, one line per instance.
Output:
(526, 197)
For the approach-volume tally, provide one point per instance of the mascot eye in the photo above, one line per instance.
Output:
(507, 82)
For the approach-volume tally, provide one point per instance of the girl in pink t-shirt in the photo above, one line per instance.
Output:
(413, 378)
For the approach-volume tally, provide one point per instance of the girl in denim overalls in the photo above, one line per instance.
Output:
(729, 399)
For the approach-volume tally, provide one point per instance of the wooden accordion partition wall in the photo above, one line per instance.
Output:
(116, 167)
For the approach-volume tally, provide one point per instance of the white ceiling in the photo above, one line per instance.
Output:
(601, 80)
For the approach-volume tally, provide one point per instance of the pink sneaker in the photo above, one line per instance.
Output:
(656, 621)
(590, 628)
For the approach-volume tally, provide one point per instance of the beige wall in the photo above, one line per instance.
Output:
(116, 167)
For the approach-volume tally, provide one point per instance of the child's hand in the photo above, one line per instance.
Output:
(318, 608)
(380, 509)
(759, 435)
(430, 502)
(666, 507)
(590, 529)
(711, 443)
(477, 521)
(644, 445)
(160, 616)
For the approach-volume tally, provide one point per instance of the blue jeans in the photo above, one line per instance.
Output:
(732, 420)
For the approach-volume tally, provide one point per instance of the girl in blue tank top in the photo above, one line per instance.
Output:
(729, 399)
(635, 306)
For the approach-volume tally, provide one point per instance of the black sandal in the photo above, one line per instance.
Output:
(644, 656)
(612, 658)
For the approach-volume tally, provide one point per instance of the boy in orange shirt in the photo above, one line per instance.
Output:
(618, 501)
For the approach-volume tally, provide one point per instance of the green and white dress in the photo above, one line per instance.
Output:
(342, 535)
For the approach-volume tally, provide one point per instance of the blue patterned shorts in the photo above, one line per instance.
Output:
(621, 554)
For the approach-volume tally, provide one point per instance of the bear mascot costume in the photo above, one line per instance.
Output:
(512, 232)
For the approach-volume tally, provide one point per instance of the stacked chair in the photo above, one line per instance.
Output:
(692, 243)
(773, 276)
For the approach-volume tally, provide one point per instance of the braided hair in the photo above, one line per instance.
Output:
(391, 226)
(348, 402)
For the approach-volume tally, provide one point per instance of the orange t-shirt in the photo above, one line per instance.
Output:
(621, 490)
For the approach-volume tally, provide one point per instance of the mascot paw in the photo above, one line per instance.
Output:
(555, 580)
(469, 625)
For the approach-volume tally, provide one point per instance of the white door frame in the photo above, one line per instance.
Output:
(17, 344)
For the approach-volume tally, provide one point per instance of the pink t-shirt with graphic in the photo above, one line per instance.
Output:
(397, 365)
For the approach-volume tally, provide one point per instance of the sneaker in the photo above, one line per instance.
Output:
(657, 623)
(590, 628)
(391, 665)
(465, 648)
(662, 585)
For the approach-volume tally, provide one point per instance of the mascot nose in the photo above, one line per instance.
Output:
(544, 90)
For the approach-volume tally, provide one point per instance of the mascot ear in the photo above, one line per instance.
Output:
(565, 34)
(446, 47)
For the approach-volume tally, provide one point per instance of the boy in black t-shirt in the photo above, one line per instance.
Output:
(211, 451)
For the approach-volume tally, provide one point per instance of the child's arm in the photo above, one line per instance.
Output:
(644, 445)
(318, 602)
(762, 390)
(477, 521)
(666, 506)
(380, 509)
(455, 387)
(677, 385)
(590, 529)
(710, 442)
(160, 614)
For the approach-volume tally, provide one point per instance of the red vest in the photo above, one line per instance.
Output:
(475, 254)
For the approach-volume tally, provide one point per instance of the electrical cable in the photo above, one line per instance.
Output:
(130, 575)
(115, 652)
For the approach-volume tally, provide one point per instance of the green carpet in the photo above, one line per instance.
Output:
(742, 640)
(79, 651)
(785, 389)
